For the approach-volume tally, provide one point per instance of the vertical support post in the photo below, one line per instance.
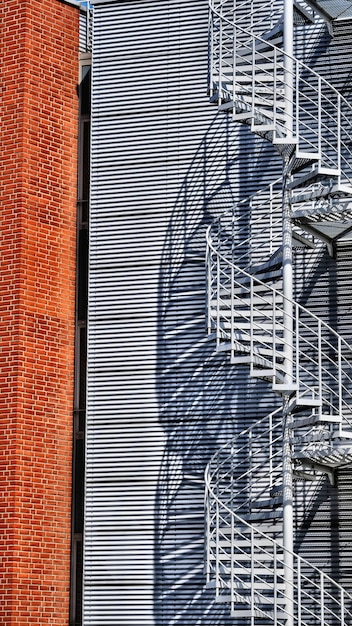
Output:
(218, 291)
(340, 391)
(234, 58)
(287, 519)
(207, 527)
(339, 113)
(288, 363)
(288, 317)
(288, 64)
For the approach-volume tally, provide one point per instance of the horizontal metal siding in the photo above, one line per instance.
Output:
(160, 400)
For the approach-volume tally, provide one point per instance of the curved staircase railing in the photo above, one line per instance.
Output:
(310, 124)
(248, 75)
(245, 561)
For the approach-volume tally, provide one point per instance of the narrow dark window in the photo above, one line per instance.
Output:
(79, 412)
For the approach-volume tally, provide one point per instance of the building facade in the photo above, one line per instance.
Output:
(39, 108)
(211, 172)
(162, 394)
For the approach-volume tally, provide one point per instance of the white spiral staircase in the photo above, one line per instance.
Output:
(250, 561)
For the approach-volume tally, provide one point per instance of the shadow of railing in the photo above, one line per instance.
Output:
(203, 400)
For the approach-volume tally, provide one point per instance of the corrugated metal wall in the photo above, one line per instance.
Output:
(159, 399)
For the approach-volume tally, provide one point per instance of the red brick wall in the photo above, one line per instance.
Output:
(38, 127)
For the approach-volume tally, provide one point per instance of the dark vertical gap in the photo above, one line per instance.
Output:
(80, 347)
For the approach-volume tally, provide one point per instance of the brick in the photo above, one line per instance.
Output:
(39, 57)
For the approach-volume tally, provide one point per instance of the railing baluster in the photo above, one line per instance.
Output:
(299, 593)
(342, 607)
(320, 370)
(340, 387)
(319, 117)
(315, 367)
(218, 292)
(322, 599)
(339, 142)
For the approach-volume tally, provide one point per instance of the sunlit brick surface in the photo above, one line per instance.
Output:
(39, 74)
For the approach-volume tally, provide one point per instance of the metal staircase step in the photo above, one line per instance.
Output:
(270, 615)
(316, 418)
(299, 474)
(264, 515)
(262, 78)
(264, 586)
(262, 63)
(263, 596)
(260, 542)
(267, 46)
(242, 298)
(265, 276)
(330, 455)
(239, 333)
(313, 436)
(343, 434)
(263, 504)
(301, 16)
(301, 241)
(272, 529)
(260, 558)
(266, 373)
(285, 388)
(301, 402)
(275, 32)
(318, 211)
(325, 188)
(314, 174)
(256, 326)
(243, 572)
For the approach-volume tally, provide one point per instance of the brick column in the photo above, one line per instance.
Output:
(38, 118)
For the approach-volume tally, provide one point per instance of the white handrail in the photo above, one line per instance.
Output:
(318, 107)
(249, 567)
(315, 592)
(322, 358)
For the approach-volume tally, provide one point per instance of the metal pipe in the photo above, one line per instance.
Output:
(288, 64)
(288, 366)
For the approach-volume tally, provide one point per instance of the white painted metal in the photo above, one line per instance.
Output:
(318, 110)
(322, 359)
(246, 558)
(306, 361)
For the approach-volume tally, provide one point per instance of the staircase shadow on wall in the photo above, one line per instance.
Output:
(203, 400)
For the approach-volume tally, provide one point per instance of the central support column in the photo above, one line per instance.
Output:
(288, 65)
(288, 360)
(288, 316)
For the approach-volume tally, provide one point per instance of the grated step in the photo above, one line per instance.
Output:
(301, 402)
(263, 504)
(316, 418)
(278, 615)
(265, 529)
(314, 174)
(239, 557)
(264, 515)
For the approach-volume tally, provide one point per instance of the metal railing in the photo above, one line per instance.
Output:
(251, 72)
(310, 364)
(248, 314)
(245, 565)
